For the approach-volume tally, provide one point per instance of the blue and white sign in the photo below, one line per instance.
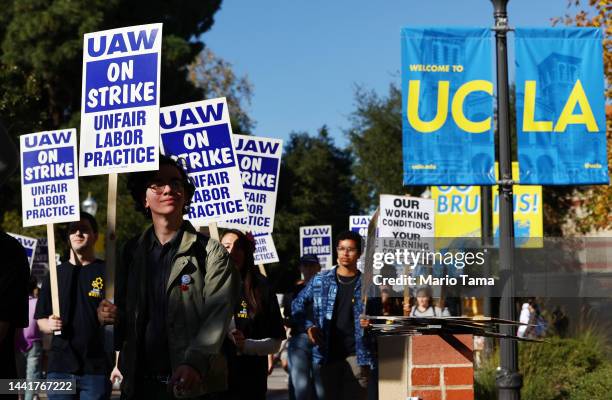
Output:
(447, 106)
(49, 178)
(317, 240)
(29, 244)
(120, 100)
(560, 106)
(199, 136)
(265, 251)
(359, 224)
(259, 162)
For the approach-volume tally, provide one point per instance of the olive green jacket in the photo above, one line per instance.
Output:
(198, 316)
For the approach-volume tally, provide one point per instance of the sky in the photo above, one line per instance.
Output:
(305, 58)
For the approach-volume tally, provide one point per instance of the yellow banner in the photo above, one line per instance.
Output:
(457, 211)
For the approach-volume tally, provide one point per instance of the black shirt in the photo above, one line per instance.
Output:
(80, 347)
(248, 374)
(159, 264)
(14, 276)
(342, 335)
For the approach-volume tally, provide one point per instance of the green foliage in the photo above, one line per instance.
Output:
(315, 188)
(216, 78)
(376, 143)
(561, 369)
(41, 45)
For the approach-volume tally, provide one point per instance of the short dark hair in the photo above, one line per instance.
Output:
(350, 235)
(84, 216)
(138, 182)
(91, 219)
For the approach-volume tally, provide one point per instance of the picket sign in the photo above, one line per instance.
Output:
(119, 114)
(55, 305)
(111, 237)
(49, 189)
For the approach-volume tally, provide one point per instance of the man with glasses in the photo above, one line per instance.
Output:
(341, 350)
(175, 294)
(78, 352)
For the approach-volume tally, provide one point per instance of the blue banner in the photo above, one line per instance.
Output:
(447, 106)
(560, 106)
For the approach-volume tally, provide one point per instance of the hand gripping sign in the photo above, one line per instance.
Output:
(49, 187)
(259, 162)
(120, 104)
(317, 240)
(199, 136)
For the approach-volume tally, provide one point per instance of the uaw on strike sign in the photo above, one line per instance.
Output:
(120, 106)
(199, 136)
(317, 240)
(49, 178)
(259, 161)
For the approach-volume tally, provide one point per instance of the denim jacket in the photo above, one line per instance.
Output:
(321, 293)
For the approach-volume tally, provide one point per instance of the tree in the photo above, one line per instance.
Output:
(315, 188)
(40, 73)
(216, 78)
(596, 210)
(376, 143)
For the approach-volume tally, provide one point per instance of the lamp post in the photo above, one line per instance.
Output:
(508, 380)
(90, 205)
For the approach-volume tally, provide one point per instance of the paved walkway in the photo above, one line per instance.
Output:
(277, 385)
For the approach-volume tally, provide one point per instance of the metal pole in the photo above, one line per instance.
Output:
(486, 235)
(509, 381)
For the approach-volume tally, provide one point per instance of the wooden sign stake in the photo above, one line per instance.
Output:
(55, 305)
(111, 237)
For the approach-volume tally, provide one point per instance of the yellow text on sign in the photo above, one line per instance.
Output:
(567, 116)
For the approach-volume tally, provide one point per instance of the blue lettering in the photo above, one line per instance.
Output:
(135, 43)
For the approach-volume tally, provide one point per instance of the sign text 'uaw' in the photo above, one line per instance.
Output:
(120, 103)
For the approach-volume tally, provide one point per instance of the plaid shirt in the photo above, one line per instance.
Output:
(321, 293)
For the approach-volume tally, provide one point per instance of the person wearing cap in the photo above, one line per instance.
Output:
(175, 293)
(304, 380)
(78, 352)
(342, 349)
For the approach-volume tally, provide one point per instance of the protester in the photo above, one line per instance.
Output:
(258, 326)
(13, 301)
(14, 274)
(425, 306)
(304, 381)
(530, 314)
(174, 296)
(341, 351)
(78, 352)
(28, 341)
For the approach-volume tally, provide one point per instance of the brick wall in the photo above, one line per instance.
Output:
(441, 367)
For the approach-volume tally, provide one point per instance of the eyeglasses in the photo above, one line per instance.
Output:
(158, 187)
(347, 249)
